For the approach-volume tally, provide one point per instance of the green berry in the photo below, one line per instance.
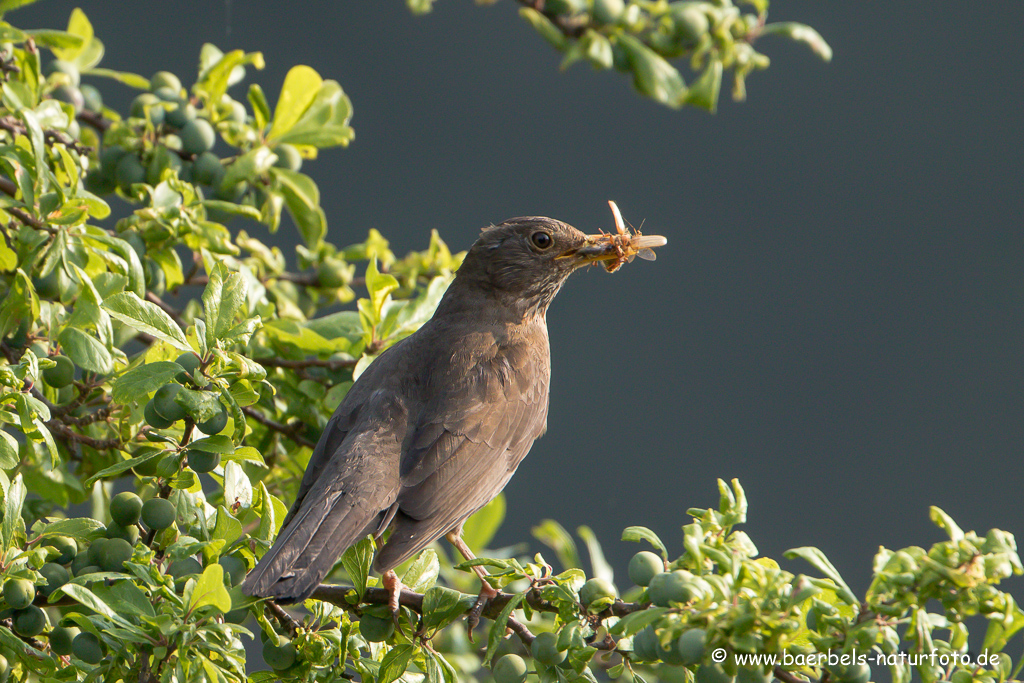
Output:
(129, 533)
(690, 20)
(29, 622)
(165, 79)
(234, 568)
(88, 648)
(201, 462)
(691, 646)
(19, 593)
(60, 66)
(645, 645)
(180, 115)
(165, 405)
(113, 554)
(207, 169)
(61, 638)
(126, 508)
(92, 98)
(510, 669)
(5, 667)
(191, 362)
(856, 673)
(69, 94)
(670, 587)
(184, 568)
(158, 513)
(62, 374)
(142, 103)
(238, 112)
(376, 629)
(288, 157)
(197, 136)
(544, 649)
(217, 423)
(608, 11)
(66, 546)
(129, 172)
(751, 674)
(155, 419)
(645, 566)
(279, 657)
(712, 673)
(594, 590)
(80, 562)
(55, 575)
(89, 569)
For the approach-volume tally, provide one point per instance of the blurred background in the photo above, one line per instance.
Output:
(837, 318)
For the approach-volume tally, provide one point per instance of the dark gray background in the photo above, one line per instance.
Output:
(836, 320)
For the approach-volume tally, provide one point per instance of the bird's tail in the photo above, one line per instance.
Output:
(308, 546)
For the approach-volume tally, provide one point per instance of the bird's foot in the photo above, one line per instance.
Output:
(486, 593)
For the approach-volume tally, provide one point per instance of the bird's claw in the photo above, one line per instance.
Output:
(473, 618)
(394, 586)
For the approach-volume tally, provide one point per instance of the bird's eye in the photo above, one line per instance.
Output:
(541, 240)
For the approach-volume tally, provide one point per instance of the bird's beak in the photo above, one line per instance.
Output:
(609, 247)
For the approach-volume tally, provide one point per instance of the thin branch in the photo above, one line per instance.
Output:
(306, 363)
(283, 618)
(62, 431)
(291, 430)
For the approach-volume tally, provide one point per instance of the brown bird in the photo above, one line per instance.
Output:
(437, 425)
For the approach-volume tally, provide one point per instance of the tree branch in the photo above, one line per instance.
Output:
(290, 430)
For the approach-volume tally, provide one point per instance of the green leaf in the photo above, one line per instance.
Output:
(946, 523)
(802, 34)
(298, 91)
(13, 500)
(9, 457)
(602, 570)
(146, 317)
(225, 72)
(143, 379)
(818, 560)
(442, 606)
(56, 39)
(542, 25)
(87, 352)
(249, 167)
(213, 444)
(704, 91)
(379, 285)
(237, 487)
(78, 528)
(129, 79)
(302, 198)
(78, 25)
(222, 300)
(123, 466)
(422, 573)
(325, 121)
(637, 621)
(210, 590)
(480, 528)
(642, 533)
(357, 560)
(652, 75)
(497, 633)
(260, 108)
(552, 534)
(395, 662)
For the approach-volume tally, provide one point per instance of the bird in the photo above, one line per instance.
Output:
(437, 424)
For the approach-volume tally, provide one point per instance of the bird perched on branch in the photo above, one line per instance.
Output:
(437, 425)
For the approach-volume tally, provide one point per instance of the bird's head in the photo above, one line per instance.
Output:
(523, 262)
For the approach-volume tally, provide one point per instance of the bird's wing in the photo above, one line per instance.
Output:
(466, 445)
(356, 479)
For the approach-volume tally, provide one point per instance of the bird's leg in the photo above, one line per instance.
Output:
(486, 590)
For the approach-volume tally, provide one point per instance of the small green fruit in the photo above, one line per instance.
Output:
(544, 649)
(126, 508)
(234, 568)
(19, 593)
(279, 657)
(165, 405)
(288, 157)
(184, 568)
(645, 645)
(69, 94)
(332, 273)
(142, 103)
(61, 638)
(60, 66)
(158, 513)
(165, 79)
(129, 533)
(89, 569)
(856, 673)
(216, 424)
(201, 462)
(690, 20)
(712, 673)
(207, 169)
(29, 622)
(691, 646)
(753, 674)
(197, 136)
(608, 11)
(510, 669)
(594, 590)
(55, 575)
(80, 562)
(376, 629)
(644, 566)
(155, 419)
(66, 546)
(191, 362)
(180, 115)
(88, 648)
(114, 553)
(670, 587)
(129, 171)
(92, 97)
(5, 667)
(62, 374)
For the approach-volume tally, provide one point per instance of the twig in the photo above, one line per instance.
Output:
(291, 430)
(61, 430)
(95, 120)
